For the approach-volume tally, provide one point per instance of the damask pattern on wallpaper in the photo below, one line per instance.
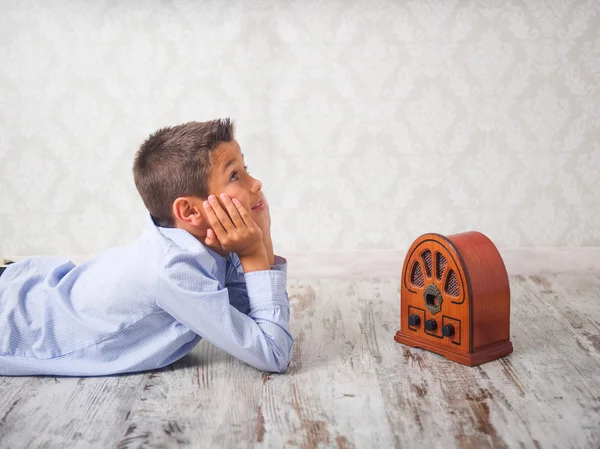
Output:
(370, 123)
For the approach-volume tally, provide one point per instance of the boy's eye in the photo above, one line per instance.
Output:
(234, 175)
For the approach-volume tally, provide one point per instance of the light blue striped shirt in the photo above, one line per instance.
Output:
(140, 307)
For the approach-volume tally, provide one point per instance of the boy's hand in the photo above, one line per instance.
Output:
(264, 219)
(264, 223)
(234, 230)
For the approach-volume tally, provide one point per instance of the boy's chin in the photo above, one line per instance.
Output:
(256, 212)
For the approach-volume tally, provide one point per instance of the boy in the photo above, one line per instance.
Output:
(203, 268)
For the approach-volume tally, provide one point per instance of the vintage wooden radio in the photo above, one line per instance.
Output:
(455, 298)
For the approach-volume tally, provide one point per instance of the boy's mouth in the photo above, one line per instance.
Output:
(259, 206)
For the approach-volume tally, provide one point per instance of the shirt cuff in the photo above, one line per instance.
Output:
(266, 288)
(280, 264)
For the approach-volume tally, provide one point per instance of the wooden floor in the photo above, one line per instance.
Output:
(350, 385)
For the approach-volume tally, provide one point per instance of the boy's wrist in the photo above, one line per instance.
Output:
(256, 261)
(269, 247)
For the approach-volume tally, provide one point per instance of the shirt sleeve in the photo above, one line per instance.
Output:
(260, 337)
(236, 282)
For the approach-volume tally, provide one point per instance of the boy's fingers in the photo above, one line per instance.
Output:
(244, 213)
(211, 237)
(212, 241)
(220, 213)
(232, 210)
(220, 231)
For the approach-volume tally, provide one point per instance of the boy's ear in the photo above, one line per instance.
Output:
(188, 210)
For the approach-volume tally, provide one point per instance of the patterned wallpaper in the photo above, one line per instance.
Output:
(369, 123)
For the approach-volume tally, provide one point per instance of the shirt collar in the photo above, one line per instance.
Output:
(185, 240)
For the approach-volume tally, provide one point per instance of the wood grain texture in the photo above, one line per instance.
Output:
(350, 385)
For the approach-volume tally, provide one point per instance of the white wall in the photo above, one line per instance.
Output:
(370, 123)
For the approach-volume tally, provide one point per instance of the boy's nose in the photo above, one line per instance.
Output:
(256, 185)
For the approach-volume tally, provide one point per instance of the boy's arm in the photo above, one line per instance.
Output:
(236, 282)
(260, 338)
(234, 279)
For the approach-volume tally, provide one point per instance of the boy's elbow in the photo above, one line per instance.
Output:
(283, 365)
(275, 365)
(280, 360)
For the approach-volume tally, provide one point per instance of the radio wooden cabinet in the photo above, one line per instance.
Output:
(455, 298)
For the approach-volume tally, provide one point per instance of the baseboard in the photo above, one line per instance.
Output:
(382, 263)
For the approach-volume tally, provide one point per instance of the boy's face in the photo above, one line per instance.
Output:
(229, 175)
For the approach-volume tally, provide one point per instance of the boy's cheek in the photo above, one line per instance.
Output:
(244, 200)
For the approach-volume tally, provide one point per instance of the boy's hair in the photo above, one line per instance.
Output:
(175, 161)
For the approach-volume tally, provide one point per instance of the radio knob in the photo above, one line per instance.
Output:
(414, 320)
(430, 325)
(448, 330)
